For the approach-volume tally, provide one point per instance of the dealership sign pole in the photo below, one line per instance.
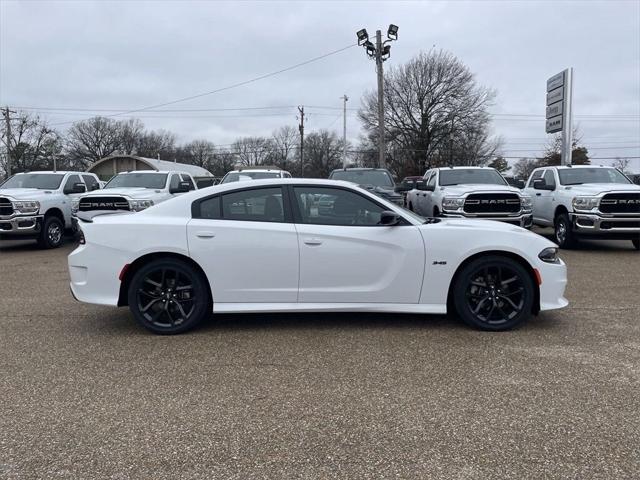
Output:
(559, 102)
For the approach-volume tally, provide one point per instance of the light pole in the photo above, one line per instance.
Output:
(380, 51)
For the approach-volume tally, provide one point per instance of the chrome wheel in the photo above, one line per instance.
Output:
(54, 233)
(561, 232)
(166, 297)
(496, 295)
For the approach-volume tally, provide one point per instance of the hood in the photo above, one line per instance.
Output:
(457, 225)
(130, 192)
(598, 188)
(459, 190)
(384, 191)
(26, 193)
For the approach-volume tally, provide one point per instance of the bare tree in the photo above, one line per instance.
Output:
(32, 146)
(435, 113)
(285, 142)
(160, 143)
(322, 154)
(131, 131)
(524, 167)
(90, 140)
(252, 151)
(622, 164)
(198, 152)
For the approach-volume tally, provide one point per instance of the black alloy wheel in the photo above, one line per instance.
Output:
(52, 233)
(494, 293)
(169, 296)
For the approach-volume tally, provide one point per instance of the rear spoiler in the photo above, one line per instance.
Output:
(87, 217)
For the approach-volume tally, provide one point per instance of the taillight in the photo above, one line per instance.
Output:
(81, 237)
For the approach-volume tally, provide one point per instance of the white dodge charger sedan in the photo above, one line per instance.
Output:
(269, 246)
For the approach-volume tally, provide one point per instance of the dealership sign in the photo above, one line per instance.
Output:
(557, 89)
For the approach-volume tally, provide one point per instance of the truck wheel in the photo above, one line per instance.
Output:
(562, 231)
(493, 293)
(636, 243)
(168, 296)
(411, 206)
(436, 212)
(52, 233)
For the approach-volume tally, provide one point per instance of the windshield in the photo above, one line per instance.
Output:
(377, 178)
(242, 176)
(43, 181)
(578, 176)
(466, 176)
(140, 180)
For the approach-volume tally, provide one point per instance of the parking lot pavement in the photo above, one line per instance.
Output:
(88, 394)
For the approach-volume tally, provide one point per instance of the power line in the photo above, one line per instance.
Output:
(228, 87)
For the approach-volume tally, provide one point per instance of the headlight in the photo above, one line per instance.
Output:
(75, 205)
(549, 255)
(137, 205)
(26, 207)
(526, 203)
(585, 203)
(452, 203)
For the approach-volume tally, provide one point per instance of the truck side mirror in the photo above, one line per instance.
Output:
(75, 188)
(421, 185)
(181, 188)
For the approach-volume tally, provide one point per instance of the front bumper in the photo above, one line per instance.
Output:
(591, 225)
(524, 220)
(22, 226)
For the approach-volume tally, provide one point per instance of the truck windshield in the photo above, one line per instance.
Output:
(578, 176)
(377, 178)
(466, 176)
(139, 180)
(248, 175)
(42, 181)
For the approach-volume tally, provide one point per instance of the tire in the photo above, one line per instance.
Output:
(52, 234)
(636, 243)
(562, 232)
(436, 212)
(411, 206)
(493, 293)
(169, 296)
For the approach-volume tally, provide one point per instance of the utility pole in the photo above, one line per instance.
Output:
(7, 120)
(380, 51)
(381, 152)
(344, 132)
(301, 128)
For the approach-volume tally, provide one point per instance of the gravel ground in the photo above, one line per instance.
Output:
(86, 393)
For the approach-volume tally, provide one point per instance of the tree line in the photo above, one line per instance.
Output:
(436, 114)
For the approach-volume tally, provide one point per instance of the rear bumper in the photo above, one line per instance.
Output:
(525, 220)
(590, 225)
(26, 226)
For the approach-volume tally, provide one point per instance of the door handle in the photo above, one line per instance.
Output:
(312, 241)
(538, 194)
(205, 234)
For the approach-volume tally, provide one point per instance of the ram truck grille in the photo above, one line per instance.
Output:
(103, 203)
(6, 208)
(492, 203)
(620, 203)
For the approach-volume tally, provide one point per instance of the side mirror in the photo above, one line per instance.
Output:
(181, 188)
(540, 184)
(76, 188)
(520, 184)
(430, 188)
(389, 218)
(95, 186)
(421, 185)
(402, 188)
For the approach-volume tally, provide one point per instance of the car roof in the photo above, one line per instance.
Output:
(350, 169)
(465, 168)
(59, 172)
(153, 171)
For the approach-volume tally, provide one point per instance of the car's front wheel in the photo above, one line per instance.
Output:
(169, 296)
(52, 233)
(562, 231)
(494, 293)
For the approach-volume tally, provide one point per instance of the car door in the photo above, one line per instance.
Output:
(247, 245)
(346, 257)
(544, 199)
(421, 196)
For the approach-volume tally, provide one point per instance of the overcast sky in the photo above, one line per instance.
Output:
(122, 55)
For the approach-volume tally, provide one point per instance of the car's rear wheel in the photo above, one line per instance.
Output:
(494, 293)
(169, 296)
(562, 231)
(52, 233)
(636, 243)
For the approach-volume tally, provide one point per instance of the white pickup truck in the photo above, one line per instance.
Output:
(136, 190)
(38, 205)
(585, 202)
(469, 192)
